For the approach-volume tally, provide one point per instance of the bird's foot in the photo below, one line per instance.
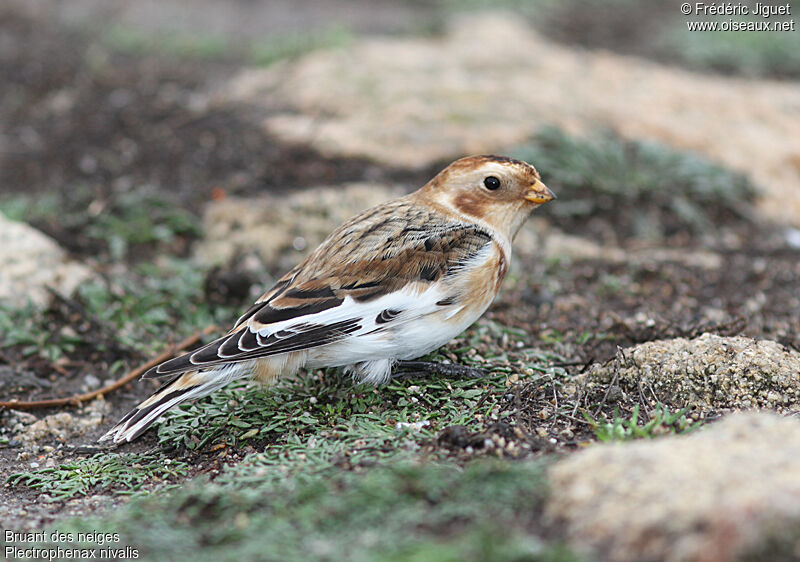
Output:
(410, 368)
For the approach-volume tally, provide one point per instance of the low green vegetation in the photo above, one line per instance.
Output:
(331, 469)
(140, 217)
(292, 45)
(23, 328)
(526, 7)
(271, 48)
(671, 191)
(155, 303)
(661, 422)
(327, 409)
(115, 473)
(126, 222)
(134, 311)
(747, 53)
(135, 41)
(399, 511)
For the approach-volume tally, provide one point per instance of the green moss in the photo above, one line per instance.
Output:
(119, 474)
(406, 511)
(642, 188)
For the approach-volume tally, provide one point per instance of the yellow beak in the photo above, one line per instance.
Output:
(539, 193)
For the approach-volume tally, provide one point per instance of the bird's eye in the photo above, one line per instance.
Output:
(491, 183)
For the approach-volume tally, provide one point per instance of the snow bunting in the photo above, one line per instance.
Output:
(393, 283)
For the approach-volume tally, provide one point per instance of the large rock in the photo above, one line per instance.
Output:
(32, 261)
(720, 494)
(491, 82)
(708, 373)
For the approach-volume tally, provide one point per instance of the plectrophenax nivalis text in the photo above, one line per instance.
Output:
(393, 283)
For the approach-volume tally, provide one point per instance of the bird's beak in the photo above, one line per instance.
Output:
(539, 193)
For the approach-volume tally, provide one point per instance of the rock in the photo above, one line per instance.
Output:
(281, 230)
(708, 373)
(31, 261)
(413, 101)
(19, 417)
(55, 425)
(559, 245)
(61, 425)
(93, 414)
(720, 494)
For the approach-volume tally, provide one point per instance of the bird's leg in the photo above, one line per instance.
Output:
(409, 368)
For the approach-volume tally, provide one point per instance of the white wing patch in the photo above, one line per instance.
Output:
(406, 305)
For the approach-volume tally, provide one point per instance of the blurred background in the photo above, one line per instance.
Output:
(121, 96)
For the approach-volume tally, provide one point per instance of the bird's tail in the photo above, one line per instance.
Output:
(187, 386)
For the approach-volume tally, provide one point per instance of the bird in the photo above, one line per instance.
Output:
(391, 284)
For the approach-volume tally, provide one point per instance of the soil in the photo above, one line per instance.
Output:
(130, 120)
(625, 304)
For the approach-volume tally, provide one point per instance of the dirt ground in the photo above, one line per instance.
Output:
(127, 119)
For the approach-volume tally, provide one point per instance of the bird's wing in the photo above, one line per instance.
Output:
(388, 264)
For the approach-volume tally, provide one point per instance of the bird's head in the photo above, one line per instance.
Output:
(497, 190)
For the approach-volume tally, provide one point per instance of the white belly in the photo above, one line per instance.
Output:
(407, 341)
(421, 325)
